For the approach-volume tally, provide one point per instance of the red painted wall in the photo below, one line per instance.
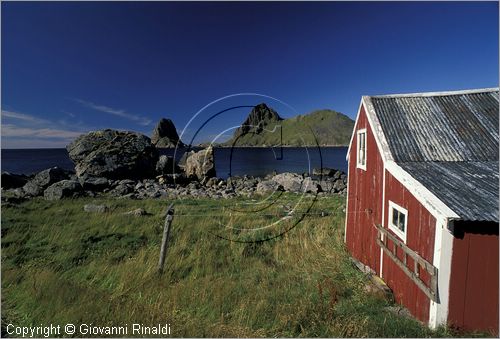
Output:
(420, 238)
(364, 199)
(474, 278)
(365, 195)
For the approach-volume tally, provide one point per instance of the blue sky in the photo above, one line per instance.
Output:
(72, 67)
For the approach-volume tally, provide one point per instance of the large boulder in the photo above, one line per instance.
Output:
(182, 161)
(200, 165)
(10, 180)
(291, 182)
(165, 135)
(113, 154)
(44, 179)
(62, 189)
(166, 165)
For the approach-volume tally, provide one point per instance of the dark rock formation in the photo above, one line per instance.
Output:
(201, 165)
(63, 189)
(10, 180)
(44, 179)
(113, 154)
(260, 116)
(165, 135)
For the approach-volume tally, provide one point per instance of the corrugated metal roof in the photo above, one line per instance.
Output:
(449, 143)
(460, 127)
(470, 189)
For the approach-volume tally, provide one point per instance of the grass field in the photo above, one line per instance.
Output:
(63, 265)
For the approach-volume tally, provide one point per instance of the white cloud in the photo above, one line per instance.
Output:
(22, 116)
(9, 130)
(118, 112)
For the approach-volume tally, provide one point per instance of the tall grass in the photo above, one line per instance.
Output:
(61, 265)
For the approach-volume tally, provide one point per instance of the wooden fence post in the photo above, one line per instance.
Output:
(166, 233)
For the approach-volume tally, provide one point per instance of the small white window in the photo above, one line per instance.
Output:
(398, 220)
(361, 154)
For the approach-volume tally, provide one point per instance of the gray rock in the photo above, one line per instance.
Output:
(165, 134)
(113, 154)
(201, 165)
(62, 189)
(212, 182)
(310, 186)
(95, 208)
(18, 192)
(268, 186)
(44, 179)
(10, 180)
(166, 165)
(182, 161)
(137, 212)
(291, 182)
(327, 185)
(94, 184)
(122, 190)
(127, 182)
(339, 186)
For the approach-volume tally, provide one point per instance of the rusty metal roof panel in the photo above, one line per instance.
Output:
(469, 188)
(460, 126)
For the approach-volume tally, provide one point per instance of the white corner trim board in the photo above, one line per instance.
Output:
(443, 250)
(382, 222)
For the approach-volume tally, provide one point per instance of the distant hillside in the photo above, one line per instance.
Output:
(330, 128)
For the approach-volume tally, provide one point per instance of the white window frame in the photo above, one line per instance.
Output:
(358, 163)
(393, 206)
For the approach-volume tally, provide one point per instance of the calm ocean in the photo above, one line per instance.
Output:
(238, 161)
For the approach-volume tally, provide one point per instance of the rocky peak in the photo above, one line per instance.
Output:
(260, 116)
(165, 134)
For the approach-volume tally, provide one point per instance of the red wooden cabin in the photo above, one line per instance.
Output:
(422, 208)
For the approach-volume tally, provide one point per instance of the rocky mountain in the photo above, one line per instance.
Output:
(259, 118)
(264, 127)
(165, 135)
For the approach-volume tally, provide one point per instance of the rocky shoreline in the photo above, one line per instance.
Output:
(127, 165)
(55, 183)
